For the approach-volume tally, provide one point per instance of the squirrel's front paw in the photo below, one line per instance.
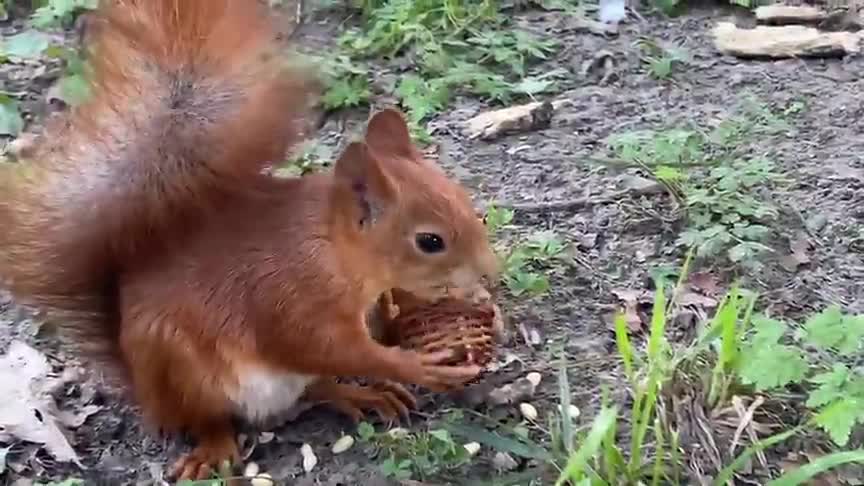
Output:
(430, 371)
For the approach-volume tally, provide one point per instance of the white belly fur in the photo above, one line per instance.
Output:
(263, 393)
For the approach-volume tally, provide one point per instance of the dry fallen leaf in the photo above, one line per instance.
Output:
(704, 282)
(797, 256)
(631, 300)
(28, 411)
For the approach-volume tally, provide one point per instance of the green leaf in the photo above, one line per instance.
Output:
(772, 366)
(806, 472)
(441, 434)
(514, 446)
(838, 419)
(26, 45)
(533, 85)
(831, 386)
(578, 461)
(11, 122)
(365, 430)
(347, 92)
(830, 329)
(74, 89)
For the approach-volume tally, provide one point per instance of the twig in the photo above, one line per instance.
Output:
(573, 204)
(298, 20)
(746, 423)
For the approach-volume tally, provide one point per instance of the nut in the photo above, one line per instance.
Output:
(342, 444)
(262, 479)
(251, 470)
(534, 377)
(472, 448)
(310, 460)
(450, 324)
(528, 411)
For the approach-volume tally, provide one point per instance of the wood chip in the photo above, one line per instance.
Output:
(787, 14)
(783, 42)
(521, 118)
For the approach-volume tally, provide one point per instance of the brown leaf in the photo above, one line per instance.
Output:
(798, 256)
(705, 282)
(631, 300)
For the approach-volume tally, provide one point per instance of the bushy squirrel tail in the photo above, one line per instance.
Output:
(190, 102)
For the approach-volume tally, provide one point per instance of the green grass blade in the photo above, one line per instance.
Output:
(820, 465)
(578, 461)
(564, 391)
(658, 325)
(625, 348)
(658, 454)
(729, 471)
(676, 458)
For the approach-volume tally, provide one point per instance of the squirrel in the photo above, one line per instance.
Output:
(145, 226)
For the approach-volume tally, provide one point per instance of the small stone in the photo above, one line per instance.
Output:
(817, 222)
(472, 448)
(534, 378)
(528, 411)
(503, 462)
(252, 469)
(342, 444)
(310, 460)
(262, 479)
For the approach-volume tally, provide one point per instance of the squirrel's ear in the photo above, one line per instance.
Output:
(388, 134)
(366, 189)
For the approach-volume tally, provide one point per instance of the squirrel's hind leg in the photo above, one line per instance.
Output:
(181, 386)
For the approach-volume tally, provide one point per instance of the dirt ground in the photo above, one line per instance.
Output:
(612, 245)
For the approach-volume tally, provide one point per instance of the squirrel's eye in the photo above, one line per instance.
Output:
(429, 242)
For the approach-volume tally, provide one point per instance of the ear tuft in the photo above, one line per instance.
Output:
(388, 134)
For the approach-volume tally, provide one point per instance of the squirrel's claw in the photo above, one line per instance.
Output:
(211, 452)
(390, 401)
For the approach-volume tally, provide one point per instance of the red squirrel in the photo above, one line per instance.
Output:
(145, 227)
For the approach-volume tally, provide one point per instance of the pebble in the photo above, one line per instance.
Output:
(503, 462)
(534, 377)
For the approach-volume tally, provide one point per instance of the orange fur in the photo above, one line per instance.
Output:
(146, 229)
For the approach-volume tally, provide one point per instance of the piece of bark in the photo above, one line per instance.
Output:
(783, 42)
(787, 14)
(581, 24)
(492, 124)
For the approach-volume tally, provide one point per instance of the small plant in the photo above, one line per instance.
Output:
(661, 62)
(312, 157)
(455, 45)
(56, 13)
(520, 260)
(775, 355)
(722, 190)
(421, 454)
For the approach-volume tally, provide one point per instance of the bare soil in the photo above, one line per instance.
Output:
(612, 245)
